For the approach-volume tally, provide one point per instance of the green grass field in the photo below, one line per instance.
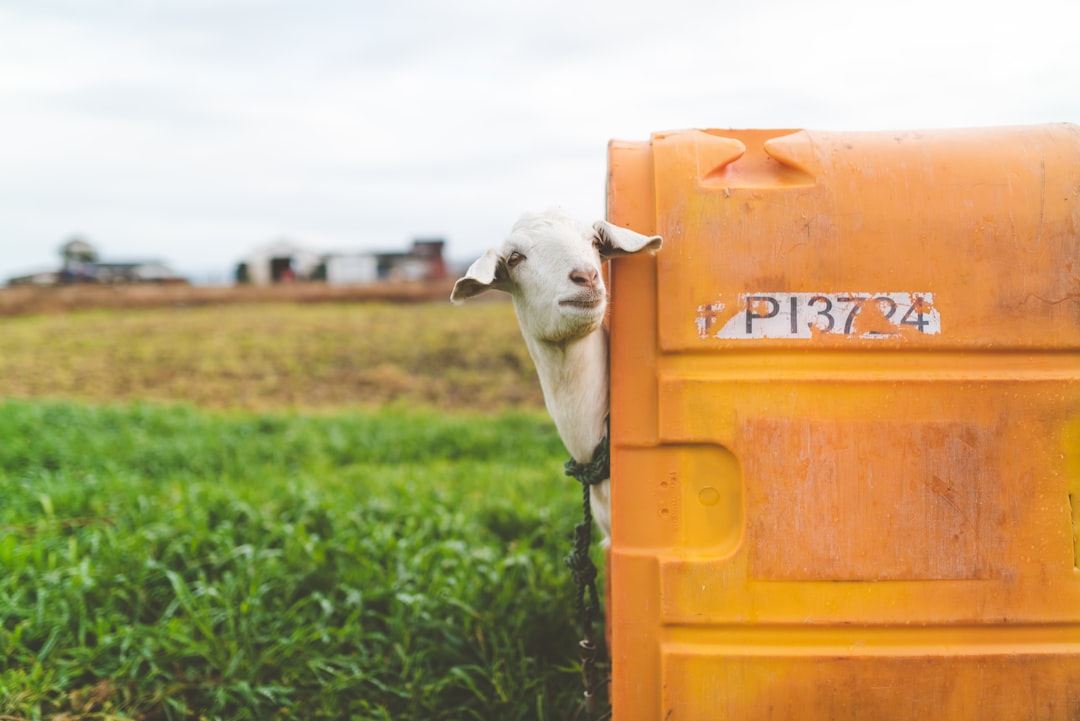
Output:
(324, 556)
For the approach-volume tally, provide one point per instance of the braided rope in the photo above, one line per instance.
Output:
(588, 474)
(596, 470)
(582, 569)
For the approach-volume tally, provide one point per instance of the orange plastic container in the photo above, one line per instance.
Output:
(846, 426)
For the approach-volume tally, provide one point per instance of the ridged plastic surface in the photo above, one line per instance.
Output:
(846, 426)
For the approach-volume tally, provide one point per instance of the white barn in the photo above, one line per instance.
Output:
(351, 268)
(280, 261)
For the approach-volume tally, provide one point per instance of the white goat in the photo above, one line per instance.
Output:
(550, 264)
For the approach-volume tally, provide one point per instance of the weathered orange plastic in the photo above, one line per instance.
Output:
(846, 426)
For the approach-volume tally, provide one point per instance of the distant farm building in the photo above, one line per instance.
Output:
(279, 262)
(41, 277)
(80, 263)
(423, 262)
(285, 262)
(351, 268)
(138, 272)
(79, 259)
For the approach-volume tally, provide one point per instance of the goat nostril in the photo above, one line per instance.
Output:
(584, 277)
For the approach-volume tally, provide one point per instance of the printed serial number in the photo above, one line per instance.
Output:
(808, 315)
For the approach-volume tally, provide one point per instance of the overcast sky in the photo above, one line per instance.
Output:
(194, 130)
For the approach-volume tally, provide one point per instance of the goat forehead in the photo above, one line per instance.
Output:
(565, 246)
(555, 228)
(531, 222)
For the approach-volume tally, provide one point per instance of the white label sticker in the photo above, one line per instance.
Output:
(809, 315)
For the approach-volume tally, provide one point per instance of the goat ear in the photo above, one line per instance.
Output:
(483, 275)
(612, 241)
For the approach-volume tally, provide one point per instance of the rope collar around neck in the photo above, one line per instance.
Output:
(596, 470)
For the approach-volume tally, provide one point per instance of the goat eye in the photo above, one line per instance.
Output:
(514, 259)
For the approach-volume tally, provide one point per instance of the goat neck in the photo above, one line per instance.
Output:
(574, 378)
